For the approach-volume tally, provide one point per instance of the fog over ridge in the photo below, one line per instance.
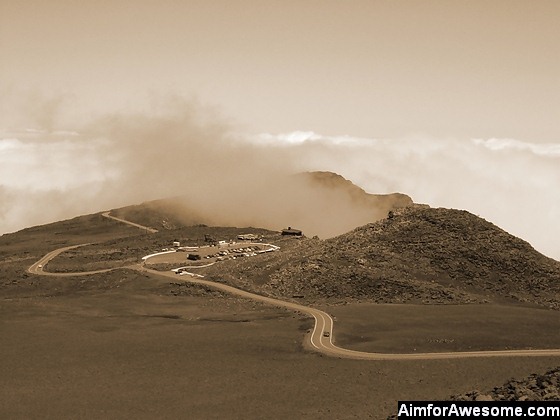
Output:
(122, 159)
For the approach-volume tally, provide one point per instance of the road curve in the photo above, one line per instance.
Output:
(323, 321)
(38, 267)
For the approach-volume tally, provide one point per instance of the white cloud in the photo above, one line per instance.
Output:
(300, 137)
(511, 183)
(546, 149)
(37, 165)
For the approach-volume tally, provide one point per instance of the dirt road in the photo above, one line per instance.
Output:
(146, 228)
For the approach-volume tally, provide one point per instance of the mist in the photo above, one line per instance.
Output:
(179, 148)
(122, 159)
(509, 182)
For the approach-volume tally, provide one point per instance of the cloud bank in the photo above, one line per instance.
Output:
(512, 183)
(51, 173)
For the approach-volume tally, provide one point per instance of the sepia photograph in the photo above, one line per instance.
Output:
(264, 209)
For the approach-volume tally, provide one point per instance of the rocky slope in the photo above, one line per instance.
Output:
(417, 254)
(535, 387)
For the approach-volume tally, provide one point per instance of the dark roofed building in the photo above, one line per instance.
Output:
(292, 232)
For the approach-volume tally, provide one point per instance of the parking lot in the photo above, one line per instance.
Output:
(209, 253)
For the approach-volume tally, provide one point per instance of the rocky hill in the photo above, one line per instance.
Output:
(417, 254)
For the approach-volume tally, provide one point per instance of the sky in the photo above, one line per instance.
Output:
(455, 103)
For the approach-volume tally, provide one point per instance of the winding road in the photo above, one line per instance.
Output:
(317, 340)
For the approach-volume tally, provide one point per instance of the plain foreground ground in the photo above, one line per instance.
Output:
(383, 328)
(133, 353)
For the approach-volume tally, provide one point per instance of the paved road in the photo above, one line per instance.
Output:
(323, 322)
(38, 267)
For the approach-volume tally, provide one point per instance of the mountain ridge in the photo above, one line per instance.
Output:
(319, 203)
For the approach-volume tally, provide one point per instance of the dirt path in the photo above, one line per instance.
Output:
(146, 228)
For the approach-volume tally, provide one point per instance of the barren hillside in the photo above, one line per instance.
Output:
(418, 254)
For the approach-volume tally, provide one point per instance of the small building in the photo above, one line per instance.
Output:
(247, 237)
(291, 232)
